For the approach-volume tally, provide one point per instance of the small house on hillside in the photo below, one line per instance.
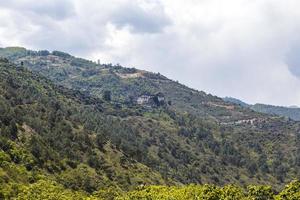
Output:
(152, 100)
(144, 99)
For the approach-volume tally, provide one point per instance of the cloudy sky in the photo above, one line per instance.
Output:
(249, 49)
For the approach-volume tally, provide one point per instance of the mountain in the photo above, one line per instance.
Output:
(124, 84)
(292, 112)
(88, 126)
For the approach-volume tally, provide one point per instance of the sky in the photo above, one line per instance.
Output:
(248, 49)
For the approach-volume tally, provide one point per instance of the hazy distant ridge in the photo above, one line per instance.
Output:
(292, 112)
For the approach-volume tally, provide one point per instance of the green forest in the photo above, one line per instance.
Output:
(72, 129)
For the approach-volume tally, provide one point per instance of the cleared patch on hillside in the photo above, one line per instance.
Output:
(130, 75)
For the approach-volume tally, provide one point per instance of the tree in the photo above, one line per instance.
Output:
(48, 190)
(13, 130)
(107, 95)
(291, 191)
(260, 192)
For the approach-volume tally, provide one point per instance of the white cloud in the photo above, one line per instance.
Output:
(242, 48)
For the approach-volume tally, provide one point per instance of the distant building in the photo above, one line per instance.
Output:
(144, 99)
(157, 99)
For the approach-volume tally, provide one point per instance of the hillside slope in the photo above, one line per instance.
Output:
(289, 112)
(125, 84)
(293, 113)
(188, 137)
(44, 135)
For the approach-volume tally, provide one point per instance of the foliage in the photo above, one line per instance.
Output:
(48, 190)
(211, 192)
(260, 192)
(291, 191)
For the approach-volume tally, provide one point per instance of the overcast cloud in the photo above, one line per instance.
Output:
(247, 49)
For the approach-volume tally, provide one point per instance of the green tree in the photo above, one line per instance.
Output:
(290, 192)
(260, 192)
(107, 95)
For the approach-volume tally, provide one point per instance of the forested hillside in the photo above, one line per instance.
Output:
(79, 126)
(125, 84)
(46, 134)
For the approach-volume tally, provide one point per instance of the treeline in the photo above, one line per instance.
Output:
(44, 190)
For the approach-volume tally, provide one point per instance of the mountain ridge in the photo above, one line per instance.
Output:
(292, 112)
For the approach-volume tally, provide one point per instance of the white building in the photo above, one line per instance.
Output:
(143, 99)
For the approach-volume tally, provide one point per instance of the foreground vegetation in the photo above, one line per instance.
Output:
(50, 190)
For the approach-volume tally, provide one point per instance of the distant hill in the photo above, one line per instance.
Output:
(236, 101)
(292, 112)
(88, 125)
